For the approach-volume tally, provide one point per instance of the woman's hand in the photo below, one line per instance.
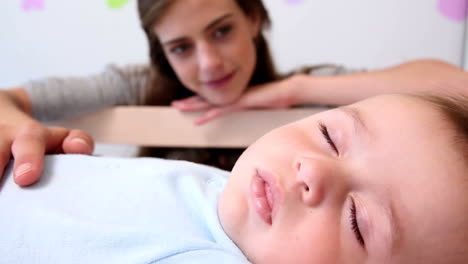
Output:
(277, 95)
(28, 142)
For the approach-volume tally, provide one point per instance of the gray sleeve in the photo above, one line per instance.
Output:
(329, 70)
(326, 70)
(60, 98)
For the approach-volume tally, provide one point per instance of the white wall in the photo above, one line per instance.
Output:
(366, 32)
(67, 37)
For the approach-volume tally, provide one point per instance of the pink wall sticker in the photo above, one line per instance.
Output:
(454, 9)
(29, 5)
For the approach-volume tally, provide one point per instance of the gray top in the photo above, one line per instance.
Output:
(60, 98)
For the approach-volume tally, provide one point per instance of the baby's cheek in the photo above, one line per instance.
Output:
(231, 211)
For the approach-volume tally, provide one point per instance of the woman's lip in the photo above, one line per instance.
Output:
(218, 83)
(265, 195)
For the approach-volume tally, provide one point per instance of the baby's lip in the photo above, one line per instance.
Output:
(265, 195)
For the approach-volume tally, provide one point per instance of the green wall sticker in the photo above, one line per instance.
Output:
(116, 4)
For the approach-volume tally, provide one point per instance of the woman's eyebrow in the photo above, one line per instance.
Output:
(208, 27)
(217, 21)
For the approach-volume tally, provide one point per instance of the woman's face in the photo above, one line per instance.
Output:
(209, 44)
(375, 182)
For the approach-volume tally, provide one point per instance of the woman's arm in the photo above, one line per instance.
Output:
(15, 104)
(415, 76)
(301, 89)
(26, 140)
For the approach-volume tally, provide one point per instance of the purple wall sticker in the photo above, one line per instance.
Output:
(454, 9)
(29, 5)
(293, 2)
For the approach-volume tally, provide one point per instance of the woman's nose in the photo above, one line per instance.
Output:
(209, 59)
(313, 179)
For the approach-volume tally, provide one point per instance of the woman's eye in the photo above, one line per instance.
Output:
(179, 49)
(327, 137)
(222, 31)
(354, 224)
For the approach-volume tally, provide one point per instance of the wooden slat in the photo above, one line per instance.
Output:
(167, 127)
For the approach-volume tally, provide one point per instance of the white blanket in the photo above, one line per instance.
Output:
(115, 210)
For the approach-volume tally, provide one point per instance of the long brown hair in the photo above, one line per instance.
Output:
(163, 85)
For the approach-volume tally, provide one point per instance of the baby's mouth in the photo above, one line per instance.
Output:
(263, 196)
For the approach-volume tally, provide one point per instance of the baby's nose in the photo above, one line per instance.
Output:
(312, 177)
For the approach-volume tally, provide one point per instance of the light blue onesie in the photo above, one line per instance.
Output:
(115, 210)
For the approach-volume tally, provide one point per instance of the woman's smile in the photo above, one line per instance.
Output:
(218, 83)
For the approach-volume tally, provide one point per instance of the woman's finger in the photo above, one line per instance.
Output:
(28, 149)
(215, 113)
(5, 153)
(190, 99)
(78, 142)
(195, 103)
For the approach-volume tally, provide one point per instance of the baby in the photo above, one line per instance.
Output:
(380, 181)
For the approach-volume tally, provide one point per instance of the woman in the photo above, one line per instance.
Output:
(205, 54)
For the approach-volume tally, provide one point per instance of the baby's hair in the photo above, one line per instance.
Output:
(455, 110)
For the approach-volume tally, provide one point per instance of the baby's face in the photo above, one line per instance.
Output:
(375, 182)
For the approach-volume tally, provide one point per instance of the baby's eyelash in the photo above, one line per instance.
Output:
(354, 224)
(327, 137)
